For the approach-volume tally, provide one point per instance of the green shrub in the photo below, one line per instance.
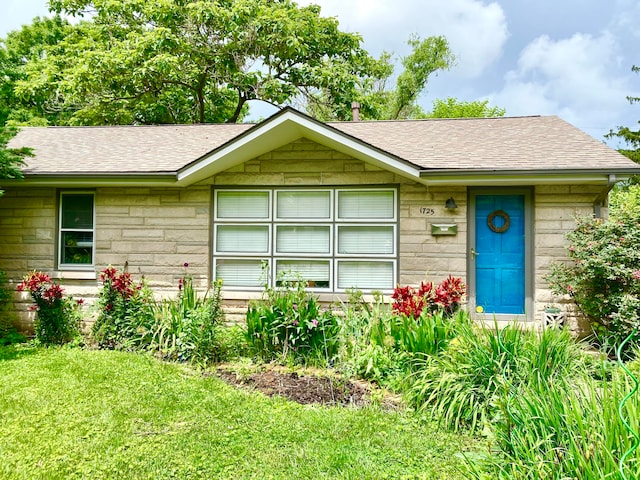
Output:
(57, 317)
(566, 429)
(125, 312)
(288, 322)
(186, 328)
(603, 277)
(384, 345)
(8, 333)
(467, 383)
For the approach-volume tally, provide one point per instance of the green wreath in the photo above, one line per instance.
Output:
(502, 214)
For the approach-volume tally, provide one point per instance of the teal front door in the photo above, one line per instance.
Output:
(499, 254)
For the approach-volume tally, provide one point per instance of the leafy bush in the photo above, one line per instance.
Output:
(603, 277)
(288, 322)
(186, 329)
(125, 312)
(385, 343)
(566, 429)
(57, 317)
(8, 333)
(464, 385)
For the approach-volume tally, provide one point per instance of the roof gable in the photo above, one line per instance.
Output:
(285, 127)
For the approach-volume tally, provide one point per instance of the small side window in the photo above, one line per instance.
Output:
(76, 237)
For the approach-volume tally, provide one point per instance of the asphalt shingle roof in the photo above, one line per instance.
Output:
(508, 143)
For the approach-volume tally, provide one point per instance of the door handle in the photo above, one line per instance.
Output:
(474, 254)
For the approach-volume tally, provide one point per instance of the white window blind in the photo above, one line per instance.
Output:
(242, 205)
(310, 271)
(242, 238)
(303, 204)
(365, 204)
(365, 240)
(365, 275)
(303, 239)
(239, 272)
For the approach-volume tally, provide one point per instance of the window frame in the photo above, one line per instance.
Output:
(61, 230)
(333, 221)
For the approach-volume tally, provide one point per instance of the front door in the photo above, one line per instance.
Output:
(498, 254)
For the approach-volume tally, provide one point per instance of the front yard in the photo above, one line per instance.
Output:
(74, 413)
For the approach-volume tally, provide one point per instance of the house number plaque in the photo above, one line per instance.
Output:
(427, 211)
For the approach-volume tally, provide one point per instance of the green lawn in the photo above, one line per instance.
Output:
(72, 413)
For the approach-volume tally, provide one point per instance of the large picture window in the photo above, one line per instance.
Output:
(334, 239)
(76, 230)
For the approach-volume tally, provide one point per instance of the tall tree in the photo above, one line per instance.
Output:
(379, 101)
(11, 159)
(454, 108)
(36, 106)
(189, 61)
(630, 137)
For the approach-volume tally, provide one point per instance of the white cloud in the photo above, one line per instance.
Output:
(576, 78)
(476, 30)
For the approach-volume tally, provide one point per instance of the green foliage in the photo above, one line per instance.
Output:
(288, 322)
(125, 312)
(11, 159)
(603, 277)
(8, 333)
(38, 105)
(57, 317)
(453, 108)
(379, 102)
(565, 429)
(382, 343)
(465, 384)
(191, 61)
(631, 138)
(73, 413)
(186, 328)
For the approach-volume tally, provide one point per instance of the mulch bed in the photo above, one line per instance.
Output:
(305, 387)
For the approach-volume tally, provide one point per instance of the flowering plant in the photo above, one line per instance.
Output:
(57, 317)
(602, 276)
(288, 322)
(428, 297)
(125, 312)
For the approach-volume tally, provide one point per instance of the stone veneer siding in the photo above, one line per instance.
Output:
(156, 230)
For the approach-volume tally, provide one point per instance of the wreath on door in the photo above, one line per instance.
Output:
(505, 217)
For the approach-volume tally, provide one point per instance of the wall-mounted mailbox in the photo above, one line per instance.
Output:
(444, 229)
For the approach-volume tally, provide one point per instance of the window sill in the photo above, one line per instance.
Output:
(74, 275)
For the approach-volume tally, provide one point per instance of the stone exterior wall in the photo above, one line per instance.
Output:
(554, 218)
(156, 230)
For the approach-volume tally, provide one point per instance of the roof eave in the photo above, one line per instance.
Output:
(66, 180)
(479, 177)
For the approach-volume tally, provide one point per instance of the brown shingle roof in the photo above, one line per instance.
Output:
(509, 143)
(121, 149)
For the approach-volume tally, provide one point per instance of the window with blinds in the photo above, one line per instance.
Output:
(333, 239)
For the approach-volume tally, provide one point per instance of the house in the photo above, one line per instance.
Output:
(363, 205)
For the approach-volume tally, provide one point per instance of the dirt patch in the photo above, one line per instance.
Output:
(308, 387)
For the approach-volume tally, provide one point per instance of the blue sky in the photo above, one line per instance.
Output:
(570, 58)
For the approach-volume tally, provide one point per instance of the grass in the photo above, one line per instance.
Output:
(72, 413)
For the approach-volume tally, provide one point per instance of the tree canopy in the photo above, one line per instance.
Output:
(197, 61)
(453, 108)
(630, 137)
(193, 61)
(11, 159)
(29, 44)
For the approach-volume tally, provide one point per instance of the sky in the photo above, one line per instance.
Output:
(570, 58)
